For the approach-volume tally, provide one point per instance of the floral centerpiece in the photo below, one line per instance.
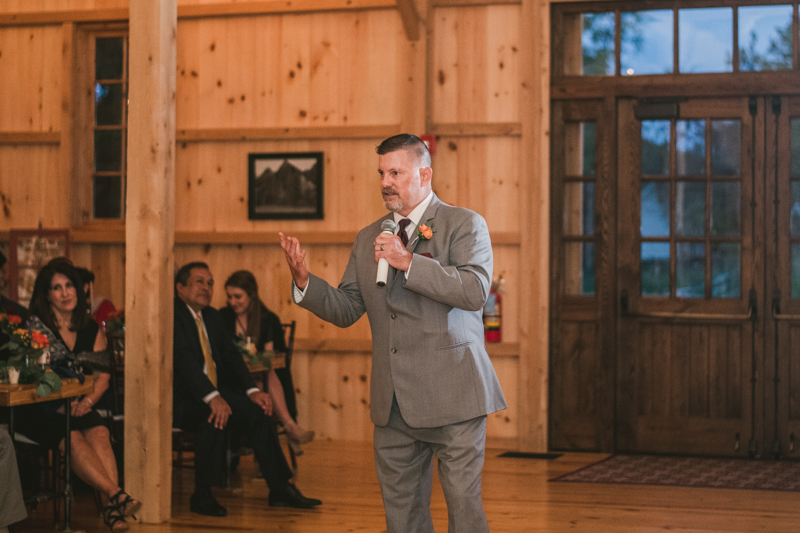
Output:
(28, 346)
(251, 354)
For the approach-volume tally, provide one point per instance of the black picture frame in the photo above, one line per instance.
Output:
(285, 186)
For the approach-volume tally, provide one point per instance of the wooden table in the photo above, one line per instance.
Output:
(15, 395)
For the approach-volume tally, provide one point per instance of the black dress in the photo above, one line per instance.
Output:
(39, 423)
(271, 330)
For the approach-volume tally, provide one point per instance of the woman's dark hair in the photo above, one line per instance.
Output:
(245, 280)
(40, 303)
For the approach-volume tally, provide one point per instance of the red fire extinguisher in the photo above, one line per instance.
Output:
(492, 313)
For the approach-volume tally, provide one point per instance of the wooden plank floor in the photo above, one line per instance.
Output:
(517, 498)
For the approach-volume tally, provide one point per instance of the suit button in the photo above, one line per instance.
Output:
(394, 316)
(394, 350)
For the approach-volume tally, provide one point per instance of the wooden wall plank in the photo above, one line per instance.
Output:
(30, 137)
(475, 64)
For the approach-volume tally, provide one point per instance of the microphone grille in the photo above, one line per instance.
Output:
(388, 225)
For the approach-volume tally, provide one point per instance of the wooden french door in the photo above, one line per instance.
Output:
(687, 339)
(690, 270)
(708, 326)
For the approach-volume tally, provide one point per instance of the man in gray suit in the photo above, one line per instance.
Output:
(432, 383)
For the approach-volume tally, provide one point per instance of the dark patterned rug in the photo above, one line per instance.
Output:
(750, 474)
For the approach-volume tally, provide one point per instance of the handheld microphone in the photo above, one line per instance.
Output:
(387, 226)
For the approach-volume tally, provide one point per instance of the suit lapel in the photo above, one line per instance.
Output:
(427, 216)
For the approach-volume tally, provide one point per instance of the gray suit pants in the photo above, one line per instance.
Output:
(404, 461)
(12, 508)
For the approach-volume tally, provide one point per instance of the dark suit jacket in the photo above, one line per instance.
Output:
(190, 383)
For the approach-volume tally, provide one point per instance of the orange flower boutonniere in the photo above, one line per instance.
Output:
(425, 231)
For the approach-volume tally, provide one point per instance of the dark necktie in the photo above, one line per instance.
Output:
(402, 233)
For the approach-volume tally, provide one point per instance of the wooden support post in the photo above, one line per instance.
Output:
(535, 189)
(149, 236)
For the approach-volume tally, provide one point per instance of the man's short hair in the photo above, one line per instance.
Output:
(183, 273)
(408, 142)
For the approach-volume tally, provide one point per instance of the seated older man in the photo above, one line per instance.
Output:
(212, 386)
(12, 508)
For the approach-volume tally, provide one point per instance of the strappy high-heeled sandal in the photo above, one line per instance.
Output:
(114, 519)
(126, 505)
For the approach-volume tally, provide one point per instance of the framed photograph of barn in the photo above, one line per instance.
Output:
(285, 186)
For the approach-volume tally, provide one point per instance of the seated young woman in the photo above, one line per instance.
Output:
(77, 345)
(246, 316)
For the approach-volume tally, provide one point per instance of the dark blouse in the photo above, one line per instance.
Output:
(271, 329)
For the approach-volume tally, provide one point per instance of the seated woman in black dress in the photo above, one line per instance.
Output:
(58, 304)
(246, 316)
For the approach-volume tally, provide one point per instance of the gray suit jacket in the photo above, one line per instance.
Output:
(427, 331)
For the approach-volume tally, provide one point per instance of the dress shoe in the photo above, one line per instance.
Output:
(207, 505)
(290, 496)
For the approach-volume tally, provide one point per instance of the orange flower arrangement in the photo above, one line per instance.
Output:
(28, 345)
(425, 231)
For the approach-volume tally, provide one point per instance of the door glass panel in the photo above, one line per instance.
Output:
(765, 38)
(706, 40)
(726, 209)
(579, 208)
(108, 104)
(795, 146)
(796, 271)
(690, 144)
(579, 150)
(647, 38)
(725, 147)
(109, 58)
(726, 270)
(690, 208)
(107, 196)
(108, 150)
(655, 147)
(596, 31)
(579, 268)
(690, 279)
(655, 268)
(795, 213)
(655, 209)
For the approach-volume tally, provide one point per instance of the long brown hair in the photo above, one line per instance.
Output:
(40, 303)
(245, 280)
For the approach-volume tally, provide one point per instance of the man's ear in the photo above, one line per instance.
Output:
(425, 174)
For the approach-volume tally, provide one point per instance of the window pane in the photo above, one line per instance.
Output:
(655, 269)
(579, 148)
(107, 197)
(597, 44)
(706, 40)
(108, 104)
(765, 38)
(655, 147)
(690, 141)
(107, 150)
(725, 147)
(647, 38)
(795, 213)
(795, 146)
(109, 58)
(796, 271)
(655, 209)
(579, 208)
(726, 209)
(690, 208)
(725, 270)
(690, 278)
(579, 268)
